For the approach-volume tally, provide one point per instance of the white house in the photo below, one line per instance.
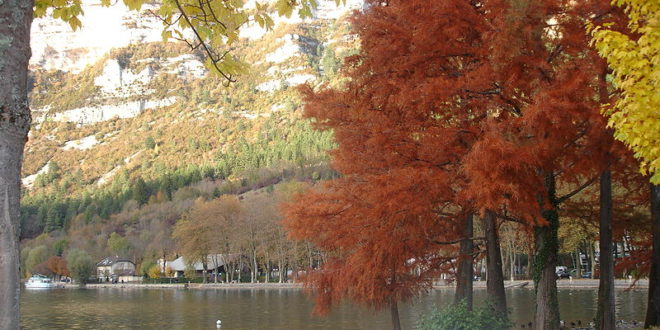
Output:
(179, 265)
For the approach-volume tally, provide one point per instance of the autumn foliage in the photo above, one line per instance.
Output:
(454, 106)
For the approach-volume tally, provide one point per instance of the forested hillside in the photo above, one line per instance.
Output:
(125, 145)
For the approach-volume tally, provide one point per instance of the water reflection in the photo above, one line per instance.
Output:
(266, 309)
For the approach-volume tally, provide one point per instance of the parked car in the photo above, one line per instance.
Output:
(563, 274)
(584, 274)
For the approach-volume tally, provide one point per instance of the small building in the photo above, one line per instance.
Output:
(115, 269)
(178, 266)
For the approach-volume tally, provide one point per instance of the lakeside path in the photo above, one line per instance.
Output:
(567, 284)
(561, 284)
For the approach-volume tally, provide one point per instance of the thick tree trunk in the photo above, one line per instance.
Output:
(15, 21)
(605, 313)
(653, 306)
(495, 280)
(545, 262)
(394, 311)
(465, 267)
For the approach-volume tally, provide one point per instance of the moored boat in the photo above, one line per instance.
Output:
(38, 281)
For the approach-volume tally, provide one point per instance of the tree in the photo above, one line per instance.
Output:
(36, 256)
(118, 245)
(154, 271)
(60, 246)
(251, 226)
(16, 16)
(634, 58)
(81, 266)
(140, 191)
(58, 266)
(547, 83)
(205, 229)
(465, 272)
(401, 123)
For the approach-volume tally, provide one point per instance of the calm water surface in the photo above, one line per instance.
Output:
(266, 308)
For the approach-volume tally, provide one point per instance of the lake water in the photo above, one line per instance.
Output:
(111, 308)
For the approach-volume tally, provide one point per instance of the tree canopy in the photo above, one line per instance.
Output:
(633, 54)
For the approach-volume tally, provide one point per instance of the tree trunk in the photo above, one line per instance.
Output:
(578, 269)
(15, 21)
(530, 267)
(465, 266)
(653, 306)
(267, 262)
(512, 264)
(394, 311)
(545, 262)
(592, 260)
(164, 263)
(256, 267)
(495, 280)
(605, 317)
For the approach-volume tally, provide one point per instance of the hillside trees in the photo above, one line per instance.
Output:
(205, 228)
(118, 245)
(215, 25)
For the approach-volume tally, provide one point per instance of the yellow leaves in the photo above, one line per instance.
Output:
(134, 4)
(166, 34)
(284, 8)
(75, 23)
(66, 10)
(635, 116)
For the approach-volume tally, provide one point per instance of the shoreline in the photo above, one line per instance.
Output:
(619, 284)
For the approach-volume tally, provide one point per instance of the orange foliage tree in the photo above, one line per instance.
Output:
(401, 123)
(455, 105)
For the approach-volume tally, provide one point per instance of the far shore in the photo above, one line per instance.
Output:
(561, 284)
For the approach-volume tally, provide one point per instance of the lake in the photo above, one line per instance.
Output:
(114, 308)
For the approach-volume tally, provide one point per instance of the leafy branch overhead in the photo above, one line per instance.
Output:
(209, 25)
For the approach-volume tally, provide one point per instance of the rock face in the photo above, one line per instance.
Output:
(56, 46)
(116, 67)
(117, 81)
(328, 9)
(95, 114)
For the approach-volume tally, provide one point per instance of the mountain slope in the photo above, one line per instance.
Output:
(146, 118)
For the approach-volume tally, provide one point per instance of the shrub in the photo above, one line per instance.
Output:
(81, 266)
(458, 317)
(154, 271)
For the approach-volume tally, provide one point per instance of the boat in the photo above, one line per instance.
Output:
(38, 281)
